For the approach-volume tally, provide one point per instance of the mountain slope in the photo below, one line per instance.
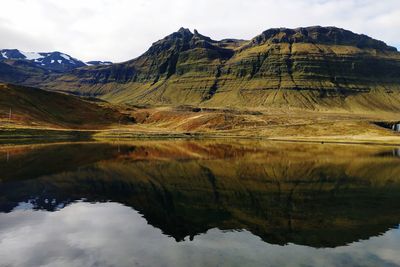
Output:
(35, 107)
(21, 72)
(312, 68)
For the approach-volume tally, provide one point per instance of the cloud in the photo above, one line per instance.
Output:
(120, 30)
(110, 234)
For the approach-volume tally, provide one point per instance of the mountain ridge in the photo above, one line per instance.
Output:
(310, 67)
(324, 35)
(51, 61)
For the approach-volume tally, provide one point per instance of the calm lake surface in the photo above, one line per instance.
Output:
(199, 203)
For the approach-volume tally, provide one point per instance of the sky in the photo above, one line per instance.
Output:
(119, 30)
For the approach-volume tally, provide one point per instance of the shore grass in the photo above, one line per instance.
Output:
(181, 123)
(42, 135)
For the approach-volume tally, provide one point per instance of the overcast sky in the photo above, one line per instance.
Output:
(119, 30)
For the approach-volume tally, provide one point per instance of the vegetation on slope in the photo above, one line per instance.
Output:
(30, 106)
(313, 68)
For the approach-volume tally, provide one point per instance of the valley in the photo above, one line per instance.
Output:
(47, 115)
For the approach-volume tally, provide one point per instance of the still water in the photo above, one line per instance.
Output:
(199, 203)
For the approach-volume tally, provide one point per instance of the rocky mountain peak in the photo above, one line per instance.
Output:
(320, 35)
(181, 40)
(184, 30)
(178, 38)
(182, 33)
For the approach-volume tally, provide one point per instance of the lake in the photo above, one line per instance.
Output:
(199, 203)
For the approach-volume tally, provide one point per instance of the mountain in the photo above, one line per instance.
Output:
(21, 72)
(35, 107)
(313, 68)
(32, 68)
(52, 61)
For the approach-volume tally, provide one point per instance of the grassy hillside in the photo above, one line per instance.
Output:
(310, 68)
(35, 107)
(299, 125)
(41, 114)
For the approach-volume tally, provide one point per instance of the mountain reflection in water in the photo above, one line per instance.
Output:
(243, 203)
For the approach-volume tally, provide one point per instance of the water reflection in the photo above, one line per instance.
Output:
(102, 204)
(396, 152)
(74, 236)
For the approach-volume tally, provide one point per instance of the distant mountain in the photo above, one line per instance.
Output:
(314, 68)
(33, 68)
(53, 61)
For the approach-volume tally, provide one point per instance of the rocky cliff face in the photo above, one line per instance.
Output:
(320, 35)
(314, 67)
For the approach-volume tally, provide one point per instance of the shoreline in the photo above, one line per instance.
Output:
(37, 135)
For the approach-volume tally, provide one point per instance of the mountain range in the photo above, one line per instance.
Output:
(50, 61)
(313, 68)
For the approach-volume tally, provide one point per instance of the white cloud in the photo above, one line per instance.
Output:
(110, 234)
(119, 30)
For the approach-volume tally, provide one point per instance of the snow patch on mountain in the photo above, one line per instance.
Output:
(65, 56)
(98, 63)
(31, 55)
(52, 61)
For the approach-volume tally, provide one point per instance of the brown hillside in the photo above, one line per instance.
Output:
(35, 107)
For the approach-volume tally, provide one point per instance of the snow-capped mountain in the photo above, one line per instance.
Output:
(53, 61)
